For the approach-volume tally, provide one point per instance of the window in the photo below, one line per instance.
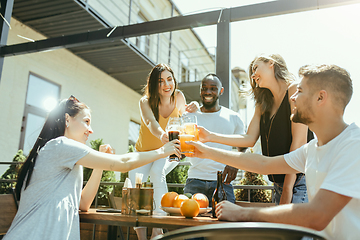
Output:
(143, 42)
(133, 132)
(192, 75)
(41, 97)
(185, 73)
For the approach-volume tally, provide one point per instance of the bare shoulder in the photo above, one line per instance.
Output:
(180, 98)
(292, 89)
(144, 99)
(179, 94)
(144, 103)
(257, 111)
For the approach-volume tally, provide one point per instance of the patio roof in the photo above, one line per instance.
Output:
(68, 17)
(71, 24)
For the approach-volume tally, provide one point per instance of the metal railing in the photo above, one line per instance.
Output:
(176, 185)
(181, 185)
(189, 65)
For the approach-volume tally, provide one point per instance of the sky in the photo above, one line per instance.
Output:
(328, 35)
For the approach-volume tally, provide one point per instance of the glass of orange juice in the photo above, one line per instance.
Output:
(186, 149)
(188, 133)
(189, 125)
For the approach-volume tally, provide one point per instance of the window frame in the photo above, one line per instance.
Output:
(129, 143)
(29, 109)
(138, 42)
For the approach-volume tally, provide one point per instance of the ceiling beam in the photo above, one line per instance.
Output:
(280, 7)
(170, 24)
(129, 72)
(120, 45)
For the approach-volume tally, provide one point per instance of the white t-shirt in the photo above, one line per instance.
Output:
(334, 166)
(49, 207)
(224, 121)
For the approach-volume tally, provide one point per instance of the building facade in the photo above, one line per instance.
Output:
(31, 83)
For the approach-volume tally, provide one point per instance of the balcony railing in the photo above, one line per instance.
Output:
(177, 185)
(189, 65)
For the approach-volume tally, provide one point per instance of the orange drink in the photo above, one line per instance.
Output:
(186, 149)
(190, 129)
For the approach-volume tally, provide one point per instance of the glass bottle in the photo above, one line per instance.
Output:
(173, 130)
(219, 193)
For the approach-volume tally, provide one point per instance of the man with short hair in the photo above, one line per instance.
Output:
(331, 162)
(203, 172)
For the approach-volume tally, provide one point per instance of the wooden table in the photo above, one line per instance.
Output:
(118, 219)
(113, 219)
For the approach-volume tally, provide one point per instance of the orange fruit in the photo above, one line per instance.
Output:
(178, 200)
(189, 208)
(202, 200)
(168, 199)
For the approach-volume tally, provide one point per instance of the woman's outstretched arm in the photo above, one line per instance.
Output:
(236, 140)
(128, 161)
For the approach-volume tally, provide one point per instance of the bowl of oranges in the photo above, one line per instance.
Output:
(185, 204)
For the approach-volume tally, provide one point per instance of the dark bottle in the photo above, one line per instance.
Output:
(173, 135)
(219, 193)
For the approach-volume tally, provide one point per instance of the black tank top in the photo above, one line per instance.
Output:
(276, 137)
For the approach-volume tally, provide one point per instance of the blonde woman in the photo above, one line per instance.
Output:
(271, 85)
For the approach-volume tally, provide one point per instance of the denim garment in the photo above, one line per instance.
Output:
(299, 191)
(194, 185)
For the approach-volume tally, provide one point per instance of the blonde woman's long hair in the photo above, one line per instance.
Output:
(263, 96)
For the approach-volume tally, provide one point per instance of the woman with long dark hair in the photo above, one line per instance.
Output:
(271, 86)
(49, 185)
(161, 101)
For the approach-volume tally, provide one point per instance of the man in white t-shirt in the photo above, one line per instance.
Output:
(331, 162)
(202, 174)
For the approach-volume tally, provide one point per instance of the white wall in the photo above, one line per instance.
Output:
(113, 104)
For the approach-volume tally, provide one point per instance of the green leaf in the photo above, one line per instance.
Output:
(12, 172)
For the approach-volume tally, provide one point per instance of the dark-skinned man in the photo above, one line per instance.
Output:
(203, 172)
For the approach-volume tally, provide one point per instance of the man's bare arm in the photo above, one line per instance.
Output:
(246, 161)
(316, 214)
